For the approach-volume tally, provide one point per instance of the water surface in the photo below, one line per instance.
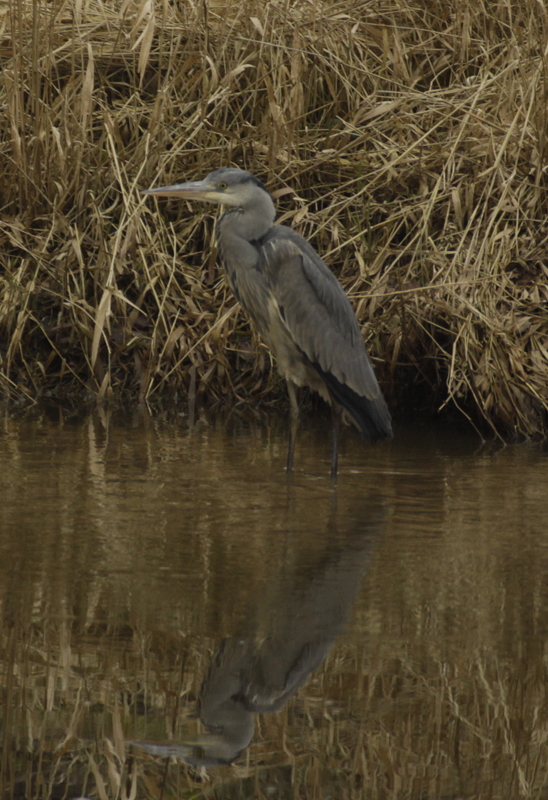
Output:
(178, 618)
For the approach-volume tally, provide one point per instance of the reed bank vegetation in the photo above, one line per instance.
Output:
(406, 140)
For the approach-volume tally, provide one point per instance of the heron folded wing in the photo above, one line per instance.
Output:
(318, 314)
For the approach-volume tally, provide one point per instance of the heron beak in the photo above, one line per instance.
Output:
(195, 190)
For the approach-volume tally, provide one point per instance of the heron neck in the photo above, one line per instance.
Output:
(249, 222)
(238, 231)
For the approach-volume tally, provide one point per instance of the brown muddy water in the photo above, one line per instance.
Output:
(180, 619)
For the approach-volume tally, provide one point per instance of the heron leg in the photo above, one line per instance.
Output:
(336, 419)
(294, 423)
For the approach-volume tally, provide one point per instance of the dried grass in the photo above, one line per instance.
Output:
(413, 140)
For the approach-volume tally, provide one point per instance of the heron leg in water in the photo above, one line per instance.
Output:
(336, 417)
(294, 412)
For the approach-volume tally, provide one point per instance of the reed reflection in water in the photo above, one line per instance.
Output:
(150, 574)
(308, 605)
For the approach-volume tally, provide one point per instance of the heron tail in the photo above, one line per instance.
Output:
(371, 416)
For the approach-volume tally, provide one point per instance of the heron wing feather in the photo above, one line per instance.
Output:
(317, 312)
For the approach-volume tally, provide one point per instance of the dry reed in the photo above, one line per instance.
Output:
(407, 141)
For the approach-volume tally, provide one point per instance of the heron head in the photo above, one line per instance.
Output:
(227, 186)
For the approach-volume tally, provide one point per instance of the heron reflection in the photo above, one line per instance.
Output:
(258, 672)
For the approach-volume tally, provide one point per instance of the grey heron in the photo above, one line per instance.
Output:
(296, 303)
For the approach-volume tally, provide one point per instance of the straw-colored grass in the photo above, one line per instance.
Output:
(407, 142)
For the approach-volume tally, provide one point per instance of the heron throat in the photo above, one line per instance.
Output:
(240, 227)
(249, 221)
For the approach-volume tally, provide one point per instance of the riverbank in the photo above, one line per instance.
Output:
(408, 145)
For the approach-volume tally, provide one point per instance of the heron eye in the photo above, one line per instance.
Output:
(222, 185)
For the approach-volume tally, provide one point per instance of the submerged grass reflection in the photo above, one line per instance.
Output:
(382, 727)
(108, 628)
